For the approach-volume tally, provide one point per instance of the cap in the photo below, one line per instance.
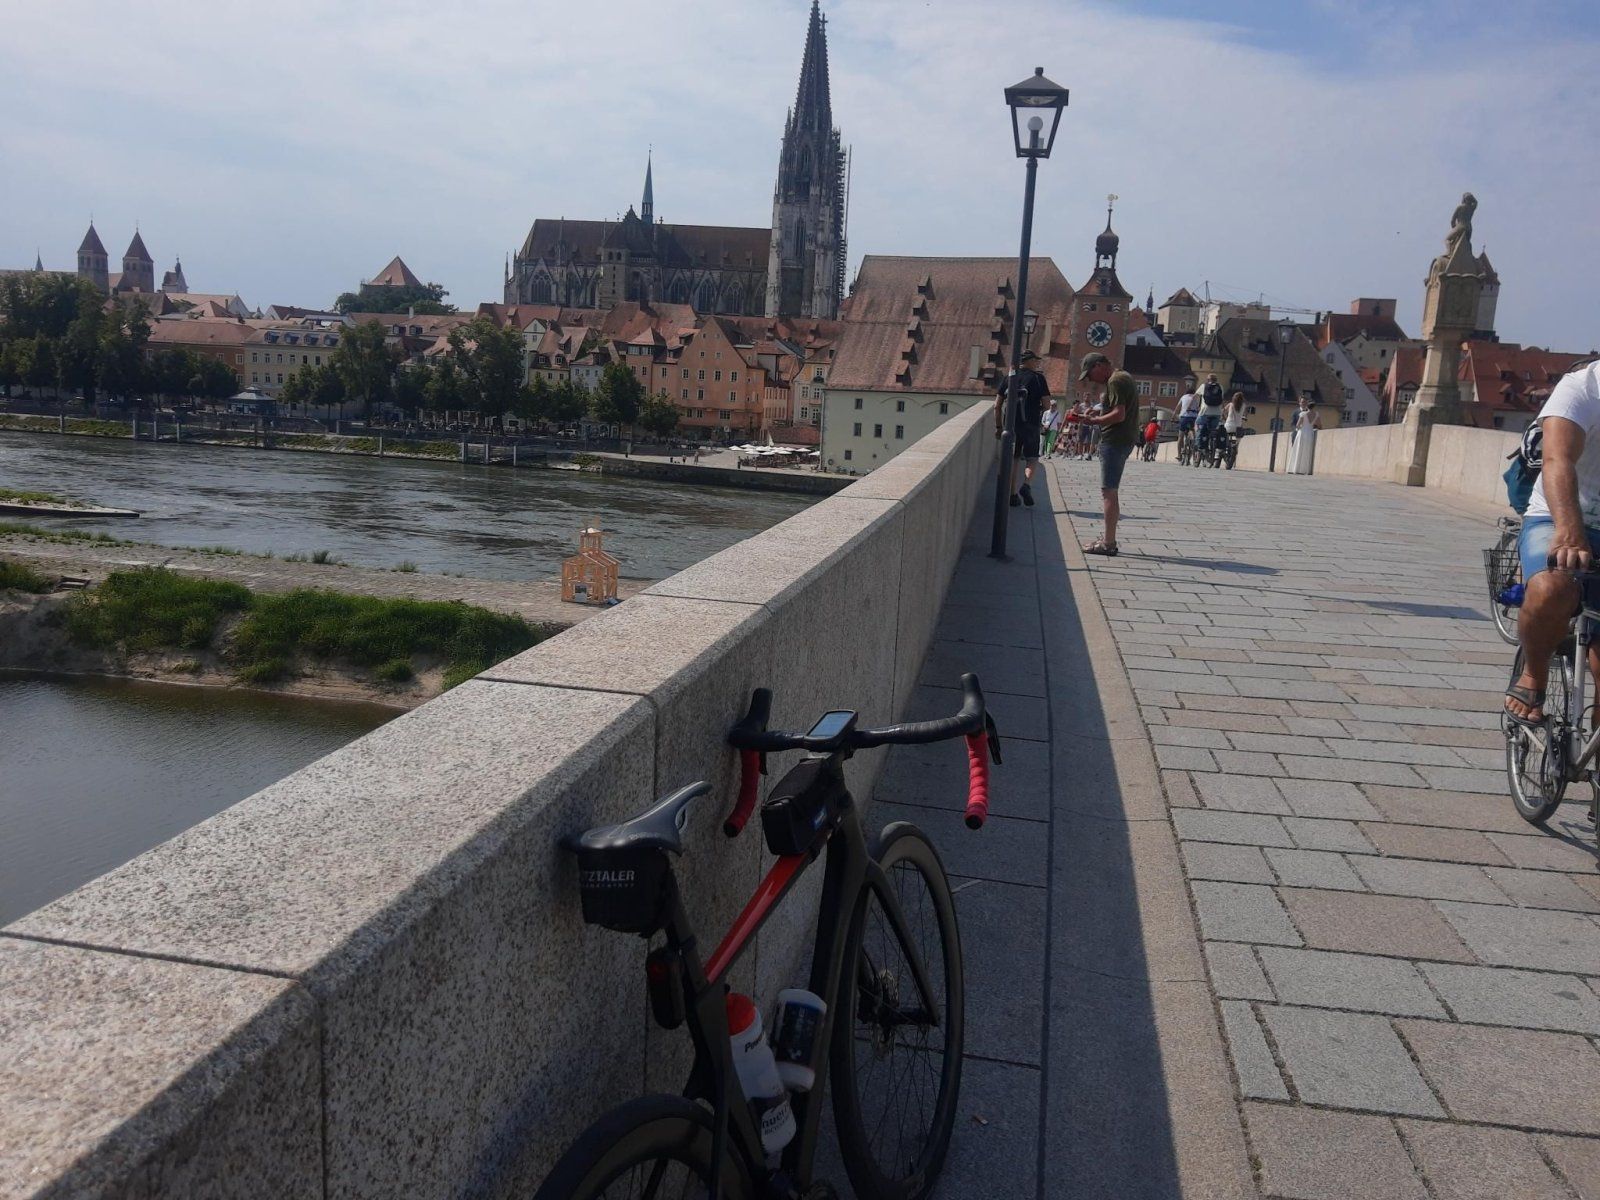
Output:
(1029, 356)
(1090, 362)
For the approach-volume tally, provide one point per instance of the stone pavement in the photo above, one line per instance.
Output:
(1254, 798)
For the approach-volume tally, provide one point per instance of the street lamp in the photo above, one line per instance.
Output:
(1030, 101)
(1285, 336)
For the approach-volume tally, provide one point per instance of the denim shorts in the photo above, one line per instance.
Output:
(1113, 459)
(1187, 421)
(1534, 545)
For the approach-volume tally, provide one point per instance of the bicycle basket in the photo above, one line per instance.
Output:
(1503, 568)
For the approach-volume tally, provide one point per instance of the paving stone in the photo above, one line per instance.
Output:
(1547, 853)
(1235, 864)
(1434, 880)
(1180, 789)
(1313, 869)
(1431, 841)
(1449, 735)
(1173, 681)
(1225, 721)
(1395, 752)
(1471, 1162)
(1252, 1058)
(1240, 793)
(1578, 1160)
(1526, 937)
(1510, 1076)
(1326, 798)
(1323, 979)
(1465, 779)
(1543, 889)
(1241, 912)
(1312, 834)
(1394, 925)
(1307, 1154)
(1505, 996)
(1290, 689)
(1179, 735)
(1450, 810)
(1276, 743)
(1251, 829)
(1301, 766)
(1244, 762)
(1235, 974)
(1232, 704)
(1349, 1060)
(1184, 758)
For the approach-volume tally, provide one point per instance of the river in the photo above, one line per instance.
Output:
(95, 772)
(487, 523)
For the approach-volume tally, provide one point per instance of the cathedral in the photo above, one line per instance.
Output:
(794, 268)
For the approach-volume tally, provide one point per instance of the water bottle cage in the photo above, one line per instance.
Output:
(624, 889)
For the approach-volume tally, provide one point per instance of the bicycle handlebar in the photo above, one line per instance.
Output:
(754, 740)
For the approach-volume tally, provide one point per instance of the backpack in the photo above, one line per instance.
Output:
(1527, 460)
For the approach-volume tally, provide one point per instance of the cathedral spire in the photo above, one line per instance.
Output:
(812, 107)
(647, 208)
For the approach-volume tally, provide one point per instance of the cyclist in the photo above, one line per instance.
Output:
(1152, 435)
(1210, 413)
(1560, 534)
(1233, 417)
(1188, 411)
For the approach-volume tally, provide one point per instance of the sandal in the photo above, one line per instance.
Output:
(1101, 546)
(1533, 699)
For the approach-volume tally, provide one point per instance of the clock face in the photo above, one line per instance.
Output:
(1099, 334)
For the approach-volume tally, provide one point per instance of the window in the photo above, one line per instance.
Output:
(305, 360)
(899, 406)
(817, 376)
(1113, 308)
(805, 413)
(1349, 393)
(900, 431)
(944, 408)
(724, 415)
(733, 377)
(877, 431)
(239, 358)
(699, 393)
(280, 358)
(847, 456)
(1169, 389)
(717, 375)
(686, 372)
(719, 355)
(280, 376)
(253, 377)
(1361, 418)
(702, 375)
(858, 429)
(1143, 387)
(858, 403)
(1088, 308)
(733, 397)
(319, 360)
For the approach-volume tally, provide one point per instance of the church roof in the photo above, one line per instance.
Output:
(396, 274)
(711, 246)
(812, 107)
(91, 242)
(136, 250)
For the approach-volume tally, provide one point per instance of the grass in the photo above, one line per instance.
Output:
(230, 551)
(152, 609)
(406, 568)
(18, 496)
(18, 578)
(326, 558)
(39, 534)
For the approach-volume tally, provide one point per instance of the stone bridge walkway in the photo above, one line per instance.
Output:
(1257, 917)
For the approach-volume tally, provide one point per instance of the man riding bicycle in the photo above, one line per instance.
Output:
(1210, 413)
(1188, 411)
(1560, 535)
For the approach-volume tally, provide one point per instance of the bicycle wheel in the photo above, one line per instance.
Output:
(1505, 569)
(652, 1148)
(1536, 759)
(896, 1066)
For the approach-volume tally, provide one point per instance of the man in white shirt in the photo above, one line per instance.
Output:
(1560, 534)
(1188, 409)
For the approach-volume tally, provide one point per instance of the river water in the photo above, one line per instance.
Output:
(95, 772)
(488, 523)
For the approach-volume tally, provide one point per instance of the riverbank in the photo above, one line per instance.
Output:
(468, 452)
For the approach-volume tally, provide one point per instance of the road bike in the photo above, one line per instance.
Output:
(886, 962)
(1543, 759)
(1503, 566)
(1185, 446)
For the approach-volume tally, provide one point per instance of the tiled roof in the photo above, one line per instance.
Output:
(201, 331)
(91, 243)
(136, 249)
(560, 240)
(1153, 360)
(915, 324)
(1341, 327)
(1183, 298)
(1253, 346)
(1506, 376)
(396, 274)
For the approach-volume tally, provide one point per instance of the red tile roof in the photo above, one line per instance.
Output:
(396, 274)
(1507, 377)
(1341, 327)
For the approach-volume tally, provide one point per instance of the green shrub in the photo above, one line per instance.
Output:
(153, 609)
(188, 666)
(266, 670)
(40, 534)
(18, 496)
(406, 567)
(16, 577)
(326, 557)
(396, 670)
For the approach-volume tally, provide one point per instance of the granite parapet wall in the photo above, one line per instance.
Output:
(371, 978)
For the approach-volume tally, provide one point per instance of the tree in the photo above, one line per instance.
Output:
(619, 397)
(39, 368)
(426, 299)
(171, 372)
(568, 402)
(12, 365)
(411, 385)
(446, 389)
(659, 415)
(364, 365)
(533, 401)
(120, 367)
(489, 357)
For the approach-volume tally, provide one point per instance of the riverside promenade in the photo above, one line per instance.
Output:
(1254, 915)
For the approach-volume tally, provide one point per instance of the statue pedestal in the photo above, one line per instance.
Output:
(1410, 467)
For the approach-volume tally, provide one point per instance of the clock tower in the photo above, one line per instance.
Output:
(1100, 309)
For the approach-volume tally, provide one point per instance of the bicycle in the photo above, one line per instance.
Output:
(1542, 760)
(1503, 566)
(1230, 449)
(1185, 446)
(903, 999)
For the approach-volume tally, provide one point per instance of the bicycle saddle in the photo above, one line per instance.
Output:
(659, 827)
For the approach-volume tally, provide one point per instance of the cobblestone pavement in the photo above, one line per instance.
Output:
(1405, 971)
(537, 600)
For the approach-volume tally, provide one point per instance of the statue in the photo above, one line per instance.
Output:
(1460, 234)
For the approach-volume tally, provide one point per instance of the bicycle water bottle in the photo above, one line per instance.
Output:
(796, 1031)
(758, 1075)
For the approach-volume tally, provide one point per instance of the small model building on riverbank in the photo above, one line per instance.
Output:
(590, 575)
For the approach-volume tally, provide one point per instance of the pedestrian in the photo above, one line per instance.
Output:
(1052, 428)
(1034, 391)
(1118, 425)
(1304, 448)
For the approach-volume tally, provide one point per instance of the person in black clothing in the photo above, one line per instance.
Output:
(1034, 392)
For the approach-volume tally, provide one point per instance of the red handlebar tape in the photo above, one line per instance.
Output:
(749, 785)
(977, 779)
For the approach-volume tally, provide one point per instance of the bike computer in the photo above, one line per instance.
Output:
(831, 725)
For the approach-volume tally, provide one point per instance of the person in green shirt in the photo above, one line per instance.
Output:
(1119, 425)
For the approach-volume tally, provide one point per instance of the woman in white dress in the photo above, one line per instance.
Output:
(1306, 424)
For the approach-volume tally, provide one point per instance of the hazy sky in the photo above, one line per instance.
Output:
(1308, 151)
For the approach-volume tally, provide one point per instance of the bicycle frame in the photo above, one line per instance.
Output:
(848, 870)
(1579, 753)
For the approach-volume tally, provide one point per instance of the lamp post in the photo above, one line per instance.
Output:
(1029, 101)
(1285, 336)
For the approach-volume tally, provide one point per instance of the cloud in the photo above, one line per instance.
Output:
(1312, 159)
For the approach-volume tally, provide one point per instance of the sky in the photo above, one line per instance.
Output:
(1305, 151)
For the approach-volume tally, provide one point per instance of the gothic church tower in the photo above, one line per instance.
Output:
(806, 265)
